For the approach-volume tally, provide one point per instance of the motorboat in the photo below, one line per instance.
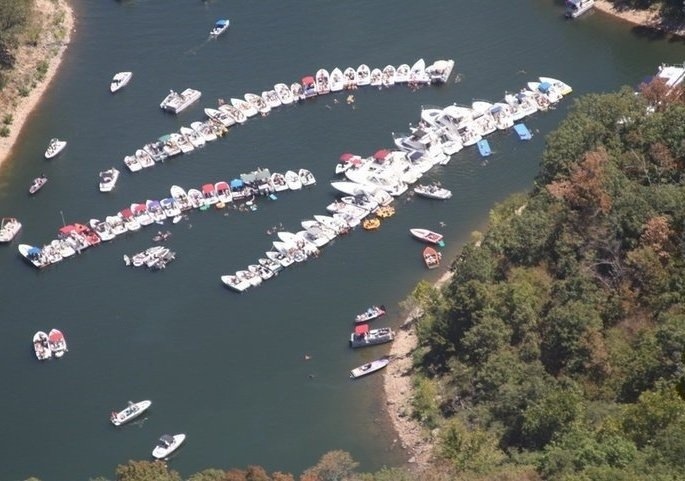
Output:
(546, 89)
(671, 75)
(108, 179)
(41, 347)
(318, 229)
(9, 228)
(350, 78)
(280, 257)
(388, 77)
(219, 116)
(363, 75)
(538, 98)
(204, 129)
(373, 312)
(179, 195)
(484, 148)
(314, 235)
(252, 278)
(263, 272)
(141, 214)
(482, 118)
(132, 163)
(348, 161)
(432, 191)
(336, 225)
(284, 93)
(176, 103)
(417, 73)
(116, 224)
(209, 194)
(235, 283)
(297, 91)
(523, 132)
(35, 255)
(426, 235)
(38, 184)
(234, 113)
(155, 210)
(144, 158)
(171, 209)
(102, 229)
(132, 411)
(308, 87)
(322, 81)
(278, 182)
(182, 142)
(220, 27)
(575, 8)
(292, 179)
(223, 191)
(129, 220)
(376, 78)
(271, 98)
(336, 80)
(306, 177)
(167, 444)
(156, 151)
(257, 102)
(170, 145)
(431, 257)
(502, 115)
(273, 265)
(521, 105)
(119, 81)
(369, 367)
(192, 136)
(363, 336)
(55, 147)
(57, 343)
(563, 88)
(440, 70)
(402, 73)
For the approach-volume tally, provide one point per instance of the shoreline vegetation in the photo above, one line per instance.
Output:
(41, 47)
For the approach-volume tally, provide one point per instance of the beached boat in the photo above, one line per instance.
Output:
(167, 444)
(37, 184)
(369, 367)
(57, 342)
(432, 191)
(108, 179)
(220, 27)
(363, 336)
(426, 235)
(9, 228)
(431, 257)
(41, 347)
(373, 312)
(55, 147)
(575, 8)
(132, 411)
(176, 103)
(119, 81)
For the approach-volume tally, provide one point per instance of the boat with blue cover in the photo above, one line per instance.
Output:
(484, 148)
(220, 27)
(523, 132)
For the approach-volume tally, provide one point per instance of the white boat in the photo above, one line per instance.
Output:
(55, 147)
(350, 78)
(220, 27)
(282, 258)
(521, 105)
(235, 283)
(144, 158)
(363, 75)
(337, 81)
(322, 81)
(306, 177)
(318, 229)
(376, 79)
(251, 277)
(257, 102)
(293, 180)
(204, 129)
(35, 255)
(433, 191)
(57, 342)
(271, 98)
(548, 90)
(176, 103)
(388, 77)
(129, 220)
(402, 73)
(180, 196)
(116, 224)
(167, 444)
(223, 191)
(575, 8)
(132, 411)
(192, 136)
(141, 214)
(440, 70)
(182, 142)
(170, 208)
(196, 198)
(261, 271)
(337, 225)
(427, 236)
(9, 228)
(671, 75)
(369, 367)
(156, 150)
(119, 81)
(297, 91)
(417, 73)
(363, 336)
(373, 312)
(278, 182)
(562, 87)
(102, 229)
(219, 116)
(41, 347)
(132, 163)
(503, 115)
(157, 212)
(284, 93)
(38, 183)
(209, 194)
(482, 118)
(273, 265)
(108, 179)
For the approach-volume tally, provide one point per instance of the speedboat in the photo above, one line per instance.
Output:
(170, 208)
(308, 87)
(337, 81)
(182, 142)
(235, 283)
(306, 177)
(521, 105)
(297, 91)
(417, 73)
(167, 444)
(431, 257)
(223, 191)
(376, 79)
(336, 225)
(132, 163)
(41, 347)
(369, 367)
(220, 116)
(119, 81)
(108, 179)
(388, 77)
(433, 191)
(363, 75)
(196, 198)
(271, 98)
(176, 103)
(156, 150)
(485, 123)
(284, 93)
(141, 214)
(102, 229)
(192, 136)
(273, 265)
(180, 196)
(427, 236)
(157, 212)
(575, 8)
(258, 103)
(252, 278)
(563, 88)
(132, 411)
(220, 27)
(57, 343)
(373, 312)
(293, 181)
(144, 158)
(116, 224)
(128, 219)
(502, 115)
(322, 81)
(402, 73)
(55, 147)
(282, 258)
(278, 182)
(547, 89)
(35, 255)
(209, 194)
(264, 273)
(170, 145)
(363, 336)
(9, 228)
(204, 129)
(440, 70)
(350, 78)
(38, 184)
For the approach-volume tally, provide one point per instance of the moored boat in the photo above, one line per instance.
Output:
(38, 184)
(363, 336)
(373, 312)
(167, 444)
(369, 367)
(322, 81)
(235, 283)
(575, 8)
(432, 191)
(108, 179)
(431, 257)
(563, 87)
(363, 75)
(440, 70)
(9, 228)
(337, 81)
(41, 347)
(57, 342)
(119, 81)
(284, 93)
(308, 87)
(176, 102)
(427, 236)
(55, 147)
(132, 411)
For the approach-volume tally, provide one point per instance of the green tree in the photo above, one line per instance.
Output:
(145, 471)
(333, 466)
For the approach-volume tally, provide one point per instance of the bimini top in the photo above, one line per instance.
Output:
(361, 329)
(545, 86)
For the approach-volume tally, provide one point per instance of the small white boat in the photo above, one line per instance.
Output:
(55, 147)
(108, 179)
(204, 129)
(432, 191)
(144, 158)
(102, 229)
(284, 93)
(132, 411)
(235, 283)
(132, 163)
(167, 444)
(563, 88)
(119, 81)
(257, 102)
(440, 70)
(427, 236)
(220, 27)
(337, 81)
(402, 73)
(376, 78)
(306, 177)
(176, 103)
(363, 75)
(388, 77)
(192, 136)
(180, 196)
(41, 347)
(322, 81)
(278, 182)
(369, 367)
(9, 228)
(57, 343)
(38, 184)
(350, 78)
(271, 98)
(548, 90)
(373, 312)
(417, 73)
(297, 91)
(575, 8)
(292, 180)
(234, 114)
(280, 257)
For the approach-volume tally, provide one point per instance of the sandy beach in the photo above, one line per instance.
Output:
(27, 60)
(646, 18)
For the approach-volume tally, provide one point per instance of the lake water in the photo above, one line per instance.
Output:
(227, 369)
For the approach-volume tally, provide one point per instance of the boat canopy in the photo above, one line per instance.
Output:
(139, 208)
(361, 329)
(221, 23)
(126, 213)
(415, 155)
(237, 184)
(167, 439)
(256, 176)
(208, 188)
(153, 203)
(544, 87)
(221, 185)
(381, 154)
(346, 157)
(308, 80)
(34, 251)
(67, 229)
(55, 335)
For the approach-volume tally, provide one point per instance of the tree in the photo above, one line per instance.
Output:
(469, 450)
(209, 475)
(654, 412)
(333, 466)
(146, 471)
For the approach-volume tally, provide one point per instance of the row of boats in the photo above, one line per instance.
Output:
(76, 237)
(154, 258)
(52, 344)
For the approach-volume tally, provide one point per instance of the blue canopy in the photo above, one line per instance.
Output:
(237, 183)
(221, 23)
(34, 251)
(544, 87)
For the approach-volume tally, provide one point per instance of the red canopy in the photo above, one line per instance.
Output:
(138, 208)
(361, 329)
(381, 154)
(346, 156)
(221, 185)
(55, 335)
(126, 213)
(67, 229)
(308, 80)
(207, 189)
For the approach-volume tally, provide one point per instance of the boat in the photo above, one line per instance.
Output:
(144, 158)
(205, 129)
(182, 142)
(219, 27)
(180, 196)
(191, 135)
(523, 132)
(116, 224)
(170, 145)
(57, 342)
(156, 151)
(235, 283)
(271, 98)
(363, 336)
(376, 79)
(292, 179)
(297, 91)
(402, 73)
(575, 8)
(119, 81)
(427, 236)
(484, 147)
(102, 229)
(322, 81)
(38, 184)
(369, 367)
(373, 312)
(9, 228)
(562, 87)
(108, 179)
(257, 102)
(671, 75)
(284, 93)
(431, 257)
(350, 78)
(209, 194)
(129, 220)
(306, 177)
(132, 411)
(336, 81)
(372, 223)
(34, 255)
(521, 105)
(41, 347)
(308, 87)
(417, 73)
(55, 147)
(548, 90)
(176, 103)
(432, 191)
(281, 258)
(363, 75)
(167, 444)
(440, 70)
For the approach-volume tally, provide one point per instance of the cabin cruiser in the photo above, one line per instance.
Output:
(440, 70)
(176, 103)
